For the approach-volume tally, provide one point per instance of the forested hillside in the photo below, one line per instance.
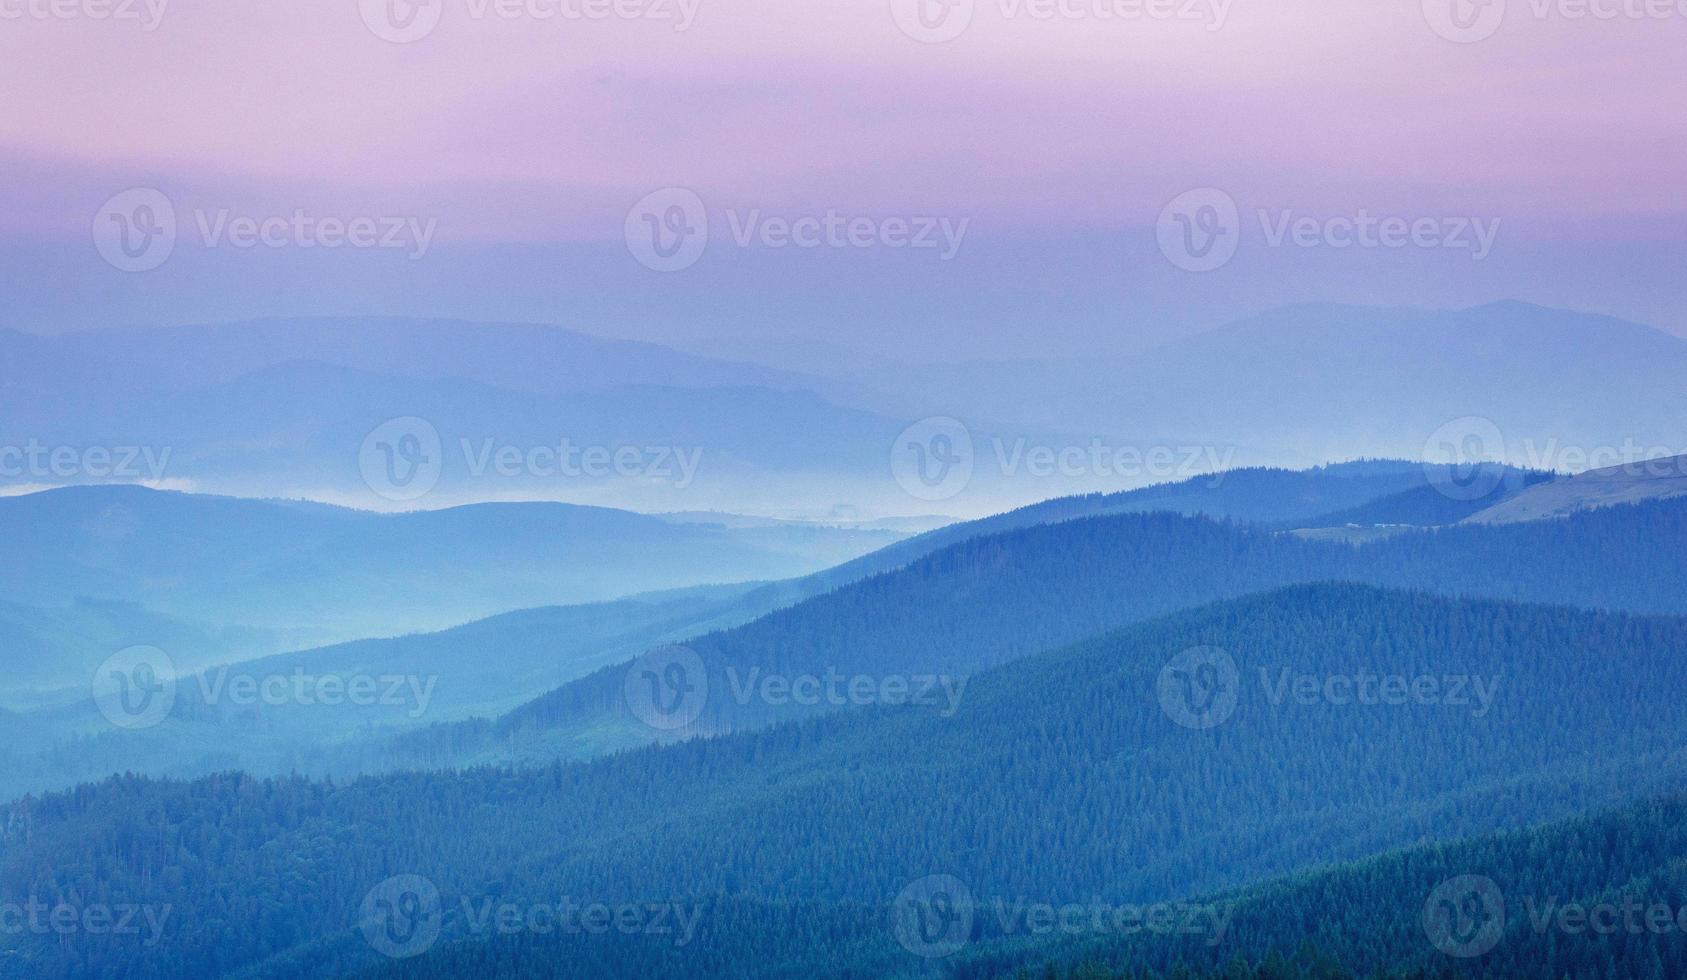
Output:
(352, 574)
(1590, 897)
(1062, 778)
(991, 599)
(489, 667)
(1603, 896)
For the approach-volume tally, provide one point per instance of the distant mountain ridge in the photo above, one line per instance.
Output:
(1625, 483)
(531, 357)
(1316, 382)
(1297, 386)
(492, 666)
(991, 599)
(353, 574)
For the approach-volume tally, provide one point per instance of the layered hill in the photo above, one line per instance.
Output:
(1074, 776)
(1626, 483)
(487, 668)
(991, 599)
(352, 574)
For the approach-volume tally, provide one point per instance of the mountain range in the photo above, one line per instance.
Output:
(287, 407)
(1072, 776)
(286, 572)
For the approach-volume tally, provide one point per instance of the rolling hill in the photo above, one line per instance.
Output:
(1378, 917)
(1654, 479)
(1589, 896)
(991, 599)
(1073, 776)
(282, 407)
(1317, 382)
(489, 667)
(353, 574)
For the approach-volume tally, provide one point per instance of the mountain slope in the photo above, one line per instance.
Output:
(1296, 386)
(51, 647)
(991, 599)
(489, 667)
(1318, 382)
(1621, 867)
(1426, 506)
(1060, 778)
(483, 667)
(352, 573)
(1655, 479)
(1291, 498)
(538, 358)
(1626, 867)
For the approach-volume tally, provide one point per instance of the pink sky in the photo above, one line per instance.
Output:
(528, 130)
(817, 99)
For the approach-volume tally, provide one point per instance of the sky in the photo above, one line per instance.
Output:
(934, 179)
